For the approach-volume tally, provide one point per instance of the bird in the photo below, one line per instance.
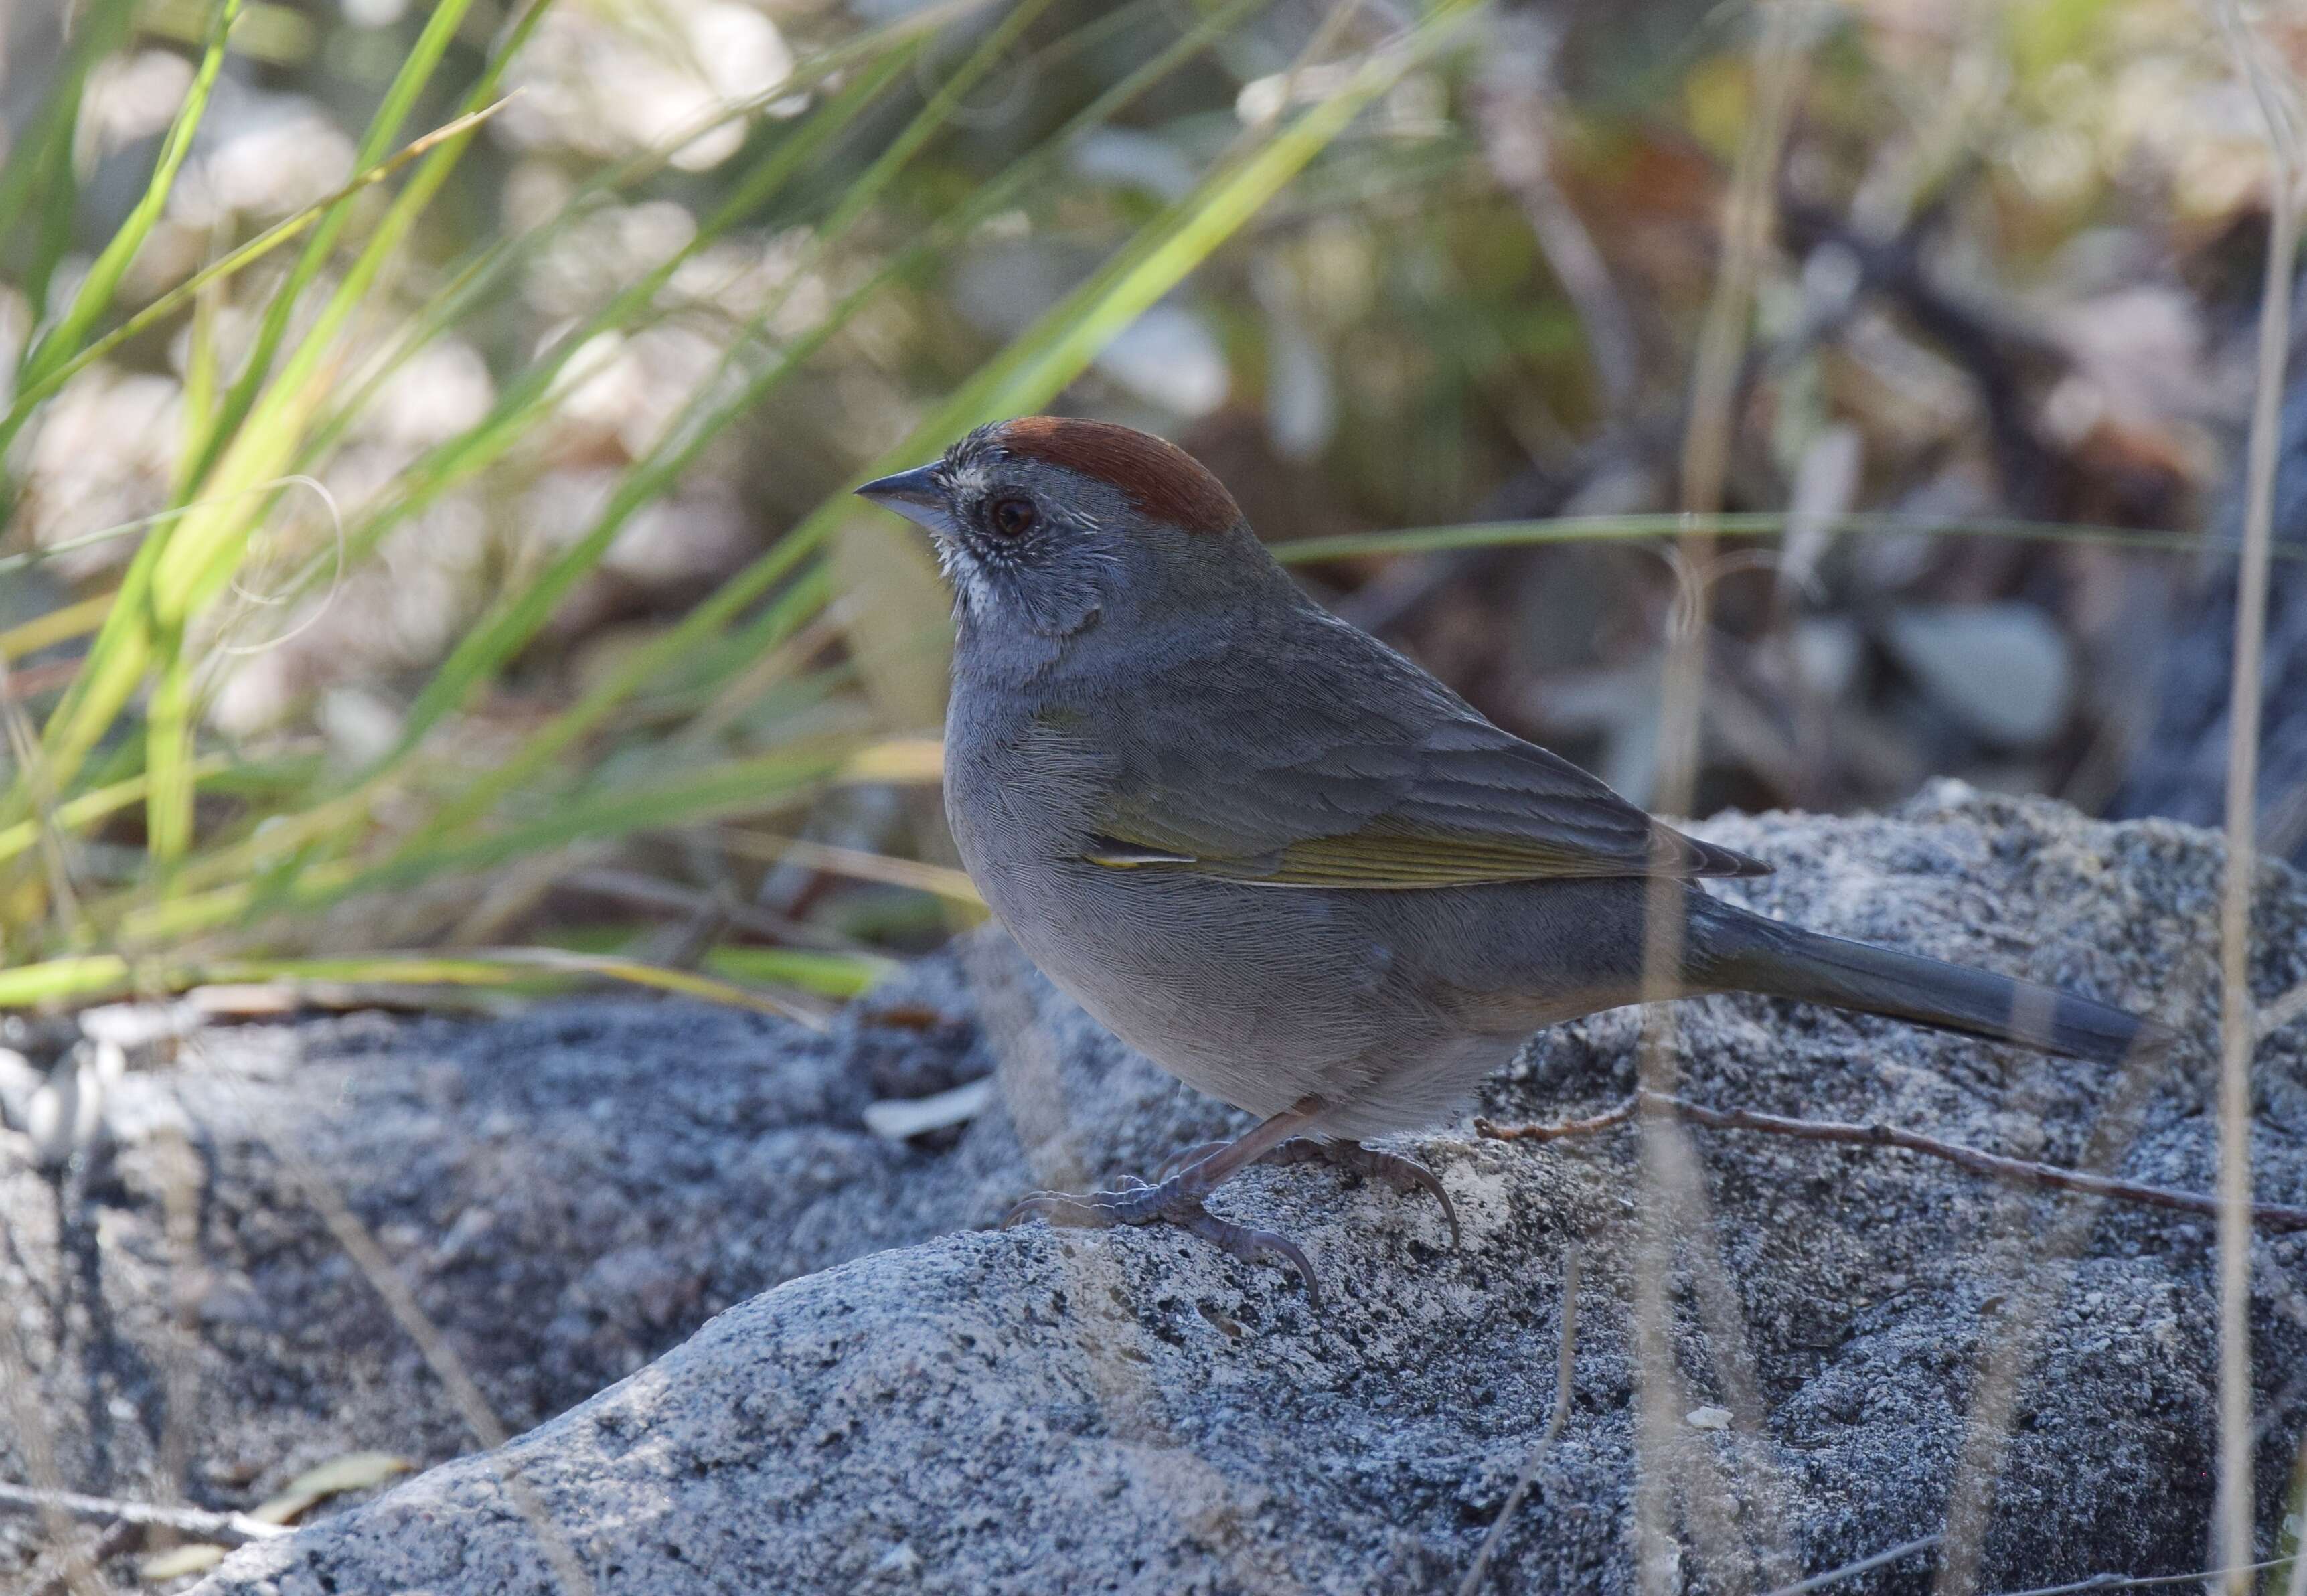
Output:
(1288, 865)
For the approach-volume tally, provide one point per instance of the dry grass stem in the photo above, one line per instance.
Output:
(2141, 1581)
(2290, 1006)
(1514, 112)
(77, 1569)
(1866, 1565)
(1750, 216)
(1028, 1075)
(2232, 1539)
(464, 1393)
(52, 1577)
(1747, 225)
(1566, 1367)
(638, 890)
(23, 745)
(856, 863)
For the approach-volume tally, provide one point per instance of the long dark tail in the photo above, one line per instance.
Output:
(1732, 950)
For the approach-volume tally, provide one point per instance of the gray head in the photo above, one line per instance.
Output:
(1047, 526)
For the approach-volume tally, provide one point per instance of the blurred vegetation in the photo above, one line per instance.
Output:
(425, 550)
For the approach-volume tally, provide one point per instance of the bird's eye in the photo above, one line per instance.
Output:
(1014, 517)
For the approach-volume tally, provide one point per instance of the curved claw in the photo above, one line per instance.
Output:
(1405, 1173)
(1032, 1203)
(1252, 1247)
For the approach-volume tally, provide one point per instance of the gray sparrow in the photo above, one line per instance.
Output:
(1283, 862)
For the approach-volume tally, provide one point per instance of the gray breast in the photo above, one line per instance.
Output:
(1254, 995)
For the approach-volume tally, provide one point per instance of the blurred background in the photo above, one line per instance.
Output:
(425, 564)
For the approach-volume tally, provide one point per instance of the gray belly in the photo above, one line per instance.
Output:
(1253, 996)
(1389, 1004)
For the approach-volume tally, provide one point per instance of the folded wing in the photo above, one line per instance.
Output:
(1421, 793)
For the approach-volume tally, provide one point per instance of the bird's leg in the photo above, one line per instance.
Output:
(1176, 1197)
(1195, 1154)
(1404, 1174)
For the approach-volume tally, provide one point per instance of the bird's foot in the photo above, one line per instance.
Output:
(1176, 1199)
(1405, 1175)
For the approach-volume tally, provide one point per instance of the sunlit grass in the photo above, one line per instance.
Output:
(234, 880)
(239, 848)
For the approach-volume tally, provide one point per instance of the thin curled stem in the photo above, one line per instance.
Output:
(1997, 1166)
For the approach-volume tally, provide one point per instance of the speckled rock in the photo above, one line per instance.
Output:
(1036, 1411)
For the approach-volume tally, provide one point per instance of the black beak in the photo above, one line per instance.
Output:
(915, 495)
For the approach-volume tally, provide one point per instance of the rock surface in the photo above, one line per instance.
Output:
(572, 1192)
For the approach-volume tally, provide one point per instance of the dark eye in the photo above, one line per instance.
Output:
(1014, 517)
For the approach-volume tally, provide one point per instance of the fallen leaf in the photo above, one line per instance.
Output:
(355, 1471)
(196, 1558)
(899, 1119)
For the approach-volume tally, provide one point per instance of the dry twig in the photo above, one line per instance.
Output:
(1996, 1166)
(230, 1529)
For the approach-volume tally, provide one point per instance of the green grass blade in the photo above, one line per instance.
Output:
(64, 337)
(94, 977)
(488, 267)
(779, 620)
(710, 792)
(638, 973)
(1071, 337)
(902, 35)
(56, 626)
(177, 571)
(517, 408)
(399, 99)
(80, 980)
(202, 372)
(39, 170)
(188, 569)
(116, 665)
(225, 268)
(483, 651)
(169, 767)
(702, 624)
(841, 976)
(97, 805)
(933, 117)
